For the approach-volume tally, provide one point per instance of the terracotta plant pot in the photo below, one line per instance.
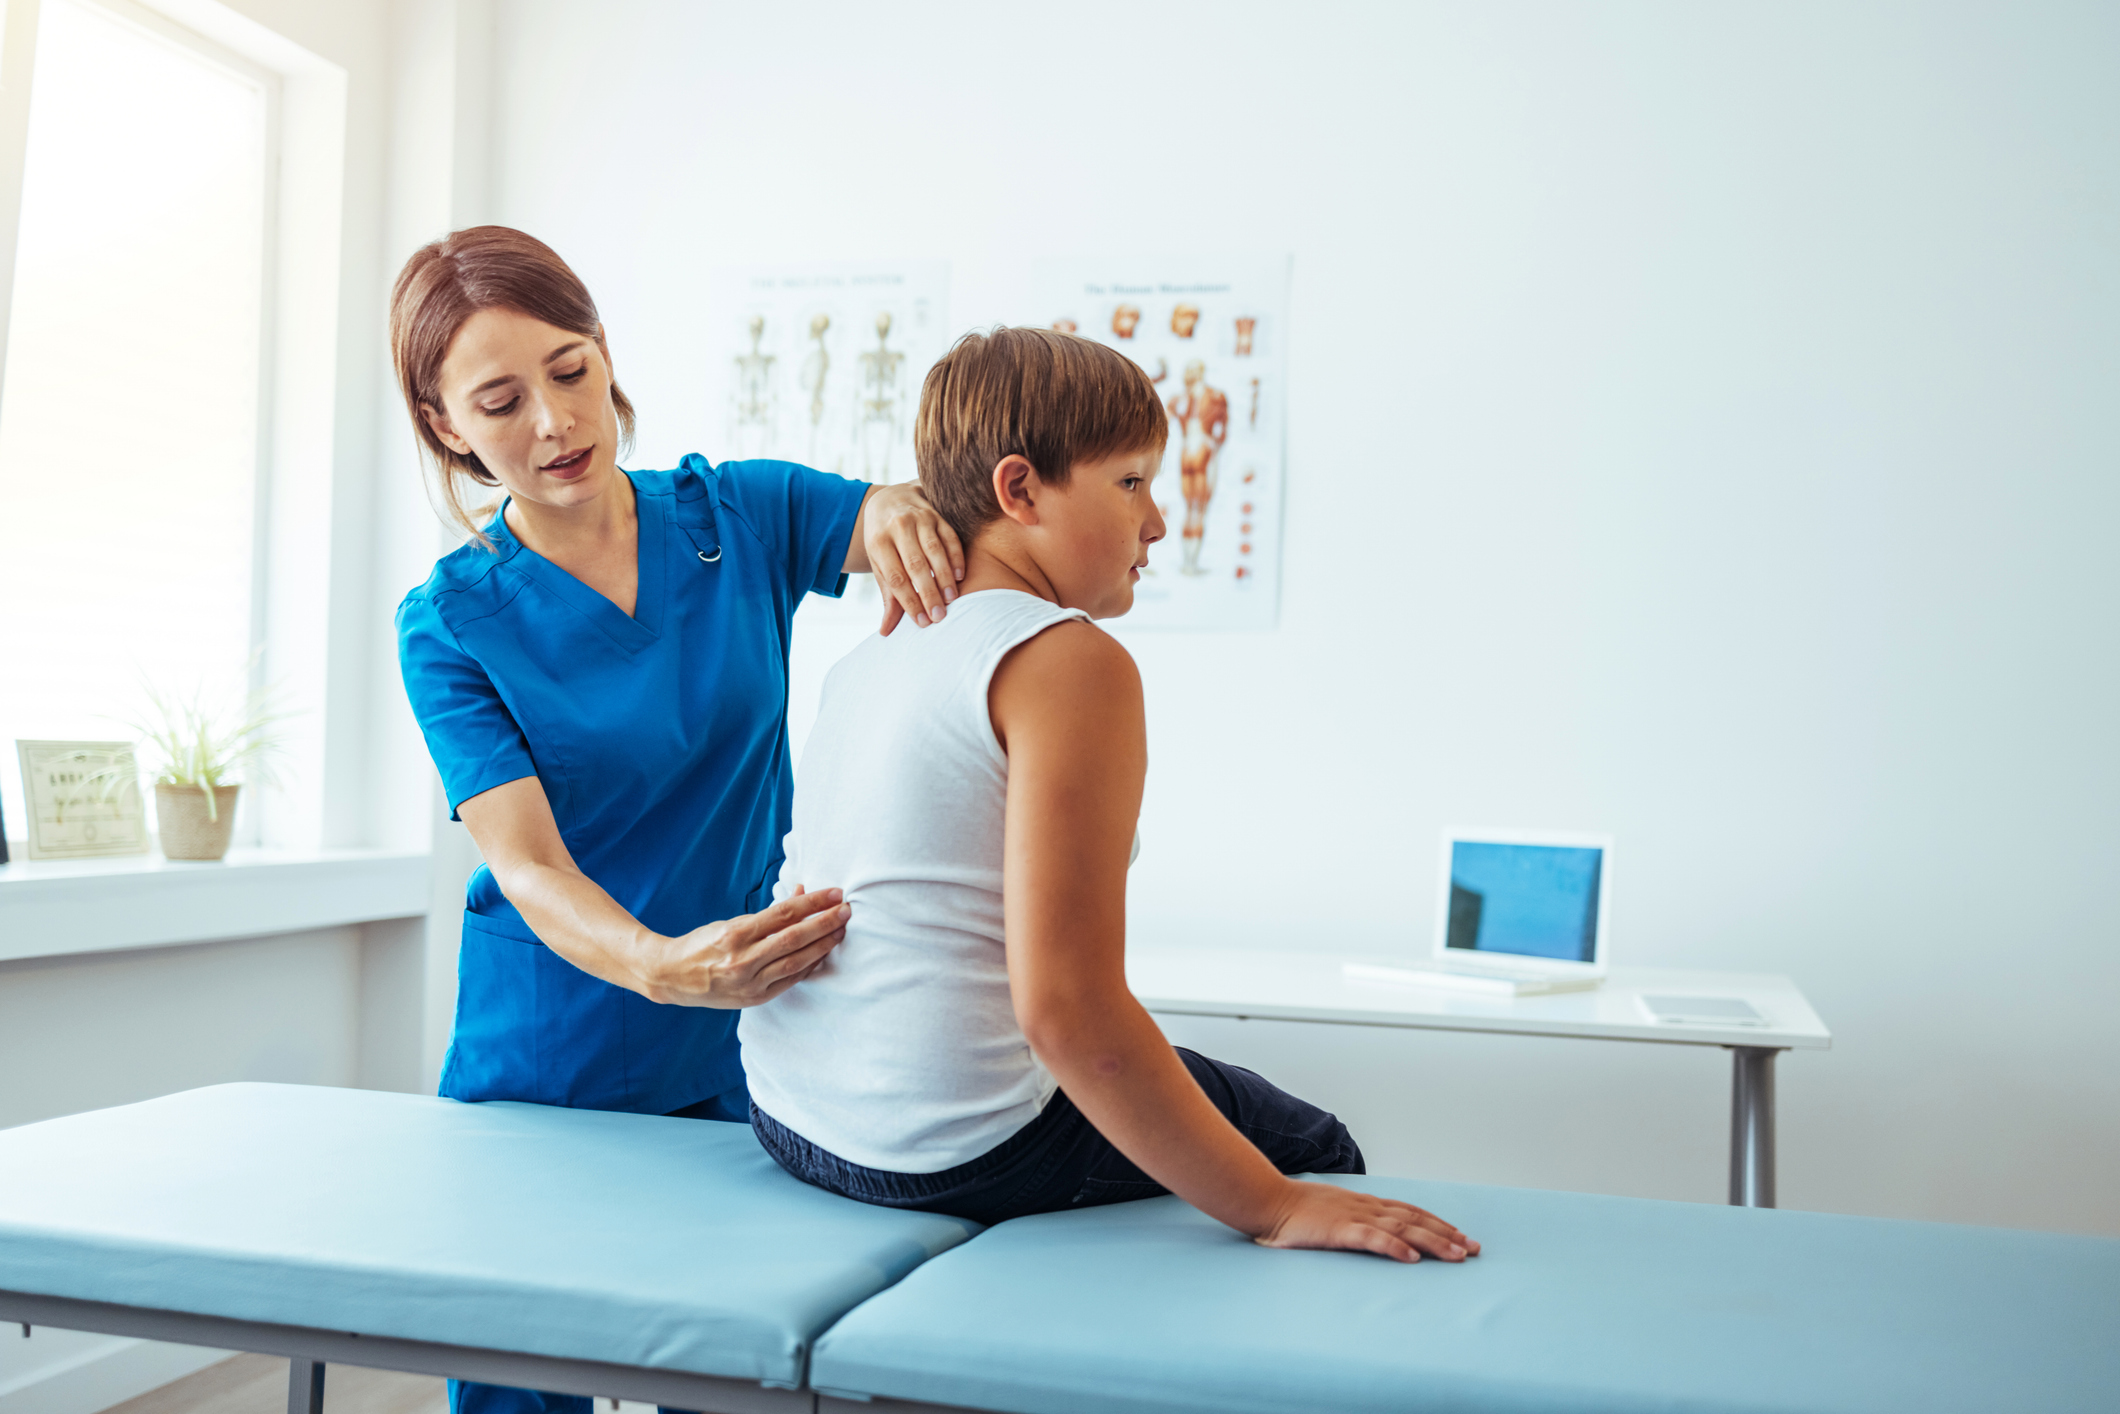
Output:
(188, 832)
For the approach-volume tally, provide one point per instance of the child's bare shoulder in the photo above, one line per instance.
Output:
(1075, 656)
(1071, 669)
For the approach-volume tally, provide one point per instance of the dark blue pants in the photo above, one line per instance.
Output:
(468, 1398)
(1059, 1160)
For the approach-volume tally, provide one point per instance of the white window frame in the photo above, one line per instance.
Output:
(268, 83)
(298, 352)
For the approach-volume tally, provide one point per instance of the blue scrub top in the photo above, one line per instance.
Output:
(661, 741)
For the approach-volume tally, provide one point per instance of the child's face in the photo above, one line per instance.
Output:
(1097, 530)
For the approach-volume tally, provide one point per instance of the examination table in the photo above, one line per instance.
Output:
(670, 1260)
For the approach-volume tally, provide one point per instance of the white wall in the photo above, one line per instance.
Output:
(97, 1029)
(1701, 429)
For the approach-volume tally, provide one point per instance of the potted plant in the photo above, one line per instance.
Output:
(200, 755)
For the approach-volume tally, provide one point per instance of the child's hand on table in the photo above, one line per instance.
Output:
(1320, 1215)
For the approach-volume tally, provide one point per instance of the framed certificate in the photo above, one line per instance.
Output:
(83, 798)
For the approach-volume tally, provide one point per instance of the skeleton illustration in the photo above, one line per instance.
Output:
(882, 404)
(816, 366)
(752, 415)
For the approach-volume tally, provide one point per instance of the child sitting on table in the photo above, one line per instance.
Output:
(971, 1047)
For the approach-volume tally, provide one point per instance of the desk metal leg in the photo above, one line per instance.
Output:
(1752, 1126)
(305, 1387)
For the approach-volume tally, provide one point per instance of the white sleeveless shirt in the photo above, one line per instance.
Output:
(903, 1053)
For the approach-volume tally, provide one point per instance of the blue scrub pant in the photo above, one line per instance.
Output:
(468, 1398)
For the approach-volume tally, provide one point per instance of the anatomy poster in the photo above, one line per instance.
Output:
(1212, 337)
(822, 364)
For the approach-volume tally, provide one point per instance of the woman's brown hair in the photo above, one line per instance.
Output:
(442, 286)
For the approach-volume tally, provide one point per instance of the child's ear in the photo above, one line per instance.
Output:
(1014, 480)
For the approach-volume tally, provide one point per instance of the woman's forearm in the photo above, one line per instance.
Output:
(730, 962)
(1115, 1065)
(572, 915)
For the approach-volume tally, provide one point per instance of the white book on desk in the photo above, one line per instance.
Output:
(1486, 984)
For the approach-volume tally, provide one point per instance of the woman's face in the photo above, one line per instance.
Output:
(533, 402)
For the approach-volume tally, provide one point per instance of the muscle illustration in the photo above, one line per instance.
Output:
(1201, 417)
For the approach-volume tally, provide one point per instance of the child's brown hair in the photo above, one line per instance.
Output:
(1053, 399)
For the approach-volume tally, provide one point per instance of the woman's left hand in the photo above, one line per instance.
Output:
(912, 551)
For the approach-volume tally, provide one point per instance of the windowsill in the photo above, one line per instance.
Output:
(53, 907)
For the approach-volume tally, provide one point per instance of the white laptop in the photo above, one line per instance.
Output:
(1517, 912)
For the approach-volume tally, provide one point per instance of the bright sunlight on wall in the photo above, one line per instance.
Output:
(129, 426)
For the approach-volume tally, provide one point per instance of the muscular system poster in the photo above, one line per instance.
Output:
(1211, 336)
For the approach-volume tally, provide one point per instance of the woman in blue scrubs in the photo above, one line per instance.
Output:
(601, 676)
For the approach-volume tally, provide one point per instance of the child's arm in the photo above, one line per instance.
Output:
(1067, 708)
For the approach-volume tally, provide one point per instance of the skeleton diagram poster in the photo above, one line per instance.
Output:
(822, 364)
(1211, 337)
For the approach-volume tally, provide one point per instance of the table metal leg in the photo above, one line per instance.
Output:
(1752, 1126)
(305, 1387)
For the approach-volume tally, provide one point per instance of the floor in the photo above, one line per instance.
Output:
(257, 1384)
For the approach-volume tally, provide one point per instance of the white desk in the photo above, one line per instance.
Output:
(1309, 986)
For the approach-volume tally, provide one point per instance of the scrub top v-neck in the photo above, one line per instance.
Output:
(661, 740)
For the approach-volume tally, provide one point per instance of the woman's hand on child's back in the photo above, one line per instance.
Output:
(1320, 1215)
(751, 959)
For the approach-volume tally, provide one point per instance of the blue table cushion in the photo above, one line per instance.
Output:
(665, 1243)
(1580, 1303)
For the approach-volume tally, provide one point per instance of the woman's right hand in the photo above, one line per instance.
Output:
(736, 963)
(743, 961)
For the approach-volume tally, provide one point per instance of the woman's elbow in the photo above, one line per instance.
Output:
(525, 878)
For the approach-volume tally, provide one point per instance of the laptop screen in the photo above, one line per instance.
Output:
(1530, 900)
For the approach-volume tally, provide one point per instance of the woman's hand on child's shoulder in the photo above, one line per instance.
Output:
(1320, 1215)
(916, 558)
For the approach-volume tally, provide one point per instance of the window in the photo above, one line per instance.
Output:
(131, 417)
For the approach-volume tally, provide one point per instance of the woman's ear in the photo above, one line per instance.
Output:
(438, 423)
(1014, 478)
